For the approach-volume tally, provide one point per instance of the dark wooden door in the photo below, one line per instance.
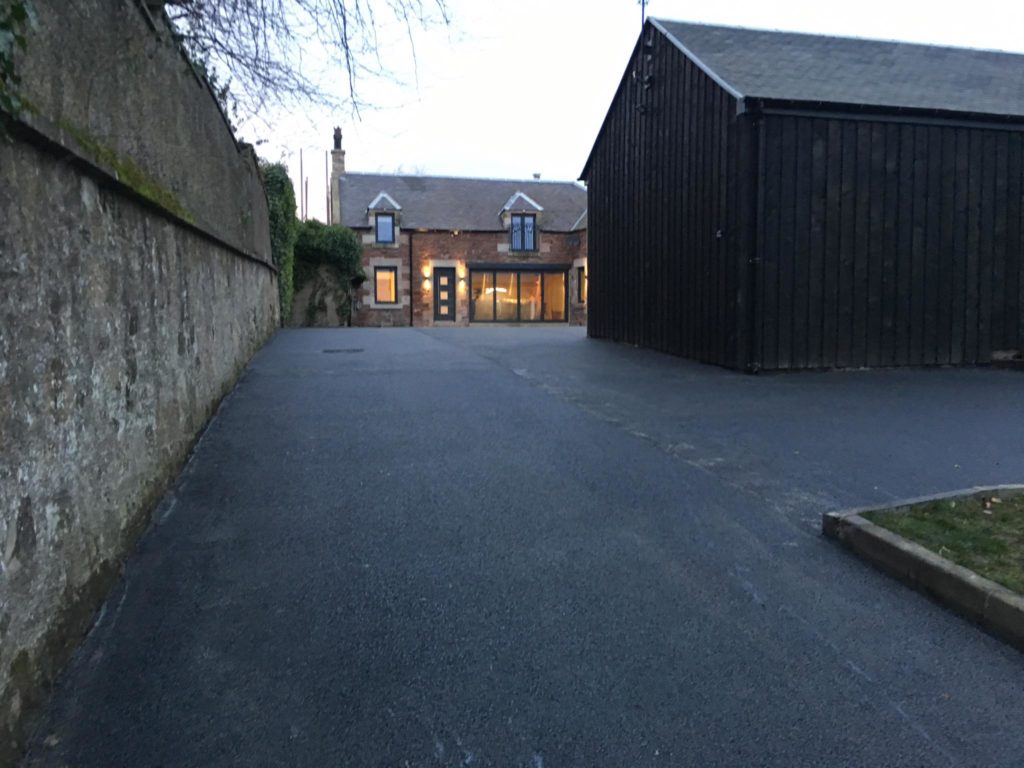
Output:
(444, 294)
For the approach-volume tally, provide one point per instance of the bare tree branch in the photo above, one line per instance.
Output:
(255, 48)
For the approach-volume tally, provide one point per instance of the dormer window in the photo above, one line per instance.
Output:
(522, 227)
(385, 227)
(383, 214)
(524, 232)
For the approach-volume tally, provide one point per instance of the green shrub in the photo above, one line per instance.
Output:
(337, 248)
(17, 17)
(284, 230)
(330, 245)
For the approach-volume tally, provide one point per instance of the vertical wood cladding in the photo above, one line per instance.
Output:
(788, 239)
(887, 243)
(664, 210)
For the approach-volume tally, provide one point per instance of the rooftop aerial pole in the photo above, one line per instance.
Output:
(643, 12)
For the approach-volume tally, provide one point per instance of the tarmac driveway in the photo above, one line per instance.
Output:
(521, 547)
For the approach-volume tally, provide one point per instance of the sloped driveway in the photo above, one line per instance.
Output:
(520, 547)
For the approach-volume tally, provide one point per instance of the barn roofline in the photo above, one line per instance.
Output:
(697, 60)
(655, 24)
(850, 110)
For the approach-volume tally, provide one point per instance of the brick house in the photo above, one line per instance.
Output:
(454, 251)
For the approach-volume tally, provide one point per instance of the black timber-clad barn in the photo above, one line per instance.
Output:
(767, 200)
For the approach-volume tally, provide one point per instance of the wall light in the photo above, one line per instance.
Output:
(462, 284)
(426, 270)
(426, 285)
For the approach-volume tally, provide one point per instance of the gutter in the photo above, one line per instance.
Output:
(882, 113)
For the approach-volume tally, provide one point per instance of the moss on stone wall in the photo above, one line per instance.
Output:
(128, 172)
(157, 341)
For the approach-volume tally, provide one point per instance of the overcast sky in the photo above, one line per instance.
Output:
(509, 89)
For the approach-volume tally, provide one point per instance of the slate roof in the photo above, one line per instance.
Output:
(383, 201)
(816, 68)
(440, 202)
(521, 202)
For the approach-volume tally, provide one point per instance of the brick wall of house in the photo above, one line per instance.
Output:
(577, 308)
(367, 312)
(446, 249)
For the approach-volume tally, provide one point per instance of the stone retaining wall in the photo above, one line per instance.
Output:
(135, 284)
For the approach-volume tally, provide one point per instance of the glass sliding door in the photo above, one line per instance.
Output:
(518, 295)
(506, 297)
(530, 294)
(482, 301)
(554, 297)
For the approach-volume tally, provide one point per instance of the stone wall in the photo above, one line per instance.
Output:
(111, 79)
(135, 284)
(318, 299)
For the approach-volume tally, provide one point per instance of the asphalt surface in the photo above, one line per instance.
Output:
(521, 547)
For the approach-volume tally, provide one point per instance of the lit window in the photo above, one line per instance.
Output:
(581, 285)
(385, 227)
(385, 285)
(518, 296)
(524, 227)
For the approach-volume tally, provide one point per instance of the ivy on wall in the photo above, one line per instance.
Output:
(338, 249)
(306, 251)
(16, 18)
(284, 230)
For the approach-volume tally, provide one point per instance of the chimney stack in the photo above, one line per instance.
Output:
(337, 171)
(536, 177)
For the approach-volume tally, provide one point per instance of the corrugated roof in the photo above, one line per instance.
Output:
(441, 202)
(816, 68)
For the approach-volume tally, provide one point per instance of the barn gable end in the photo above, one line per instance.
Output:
(744, 214)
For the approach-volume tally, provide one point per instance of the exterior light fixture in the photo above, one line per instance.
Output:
(426, 285)
(426, 270)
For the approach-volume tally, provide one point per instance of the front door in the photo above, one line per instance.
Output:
(444, 294)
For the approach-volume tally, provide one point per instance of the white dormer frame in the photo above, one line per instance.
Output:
(511, 204)
(388, 200)
(521, 202)
(384, 204)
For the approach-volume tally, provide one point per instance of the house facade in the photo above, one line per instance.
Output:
(771, 201)
(451, 251)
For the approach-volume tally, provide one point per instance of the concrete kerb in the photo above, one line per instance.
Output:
(994, 607)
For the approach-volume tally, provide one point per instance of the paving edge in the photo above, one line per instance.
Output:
(993, 606)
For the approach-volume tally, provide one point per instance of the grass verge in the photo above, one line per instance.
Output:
(983, 532)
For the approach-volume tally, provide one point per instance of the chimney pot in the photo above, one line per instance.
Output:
(536, 177)
(337, 171)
